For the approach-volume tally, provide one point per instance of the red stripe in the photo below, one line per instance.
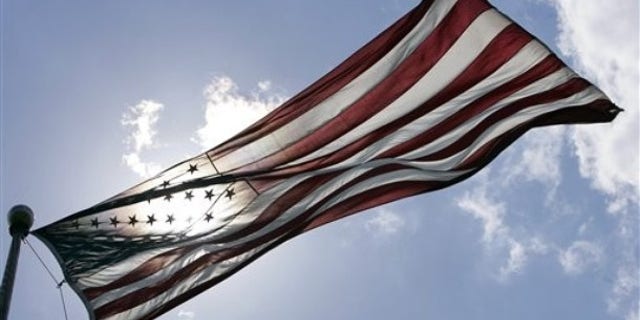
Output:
(329, 84)
(373, 197)
(596, 111)
(546, 67)
(168, 305)
(280, 205)
(509, 42)
(138, 297)
(414, 67)
(601, 110)
(146, 269)
(565, 90)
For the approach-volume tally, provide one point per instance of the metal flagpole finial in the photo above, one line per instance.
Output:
(20, 219)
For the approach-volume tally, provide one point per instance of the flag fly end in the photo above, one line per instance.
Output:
(616, 110)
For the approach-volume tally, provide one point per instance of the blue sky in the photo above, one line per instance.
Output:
(96, 95)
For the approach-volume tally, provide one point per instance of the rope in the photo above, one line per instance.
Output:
(64, 306)
(58, 283)
(41, 261)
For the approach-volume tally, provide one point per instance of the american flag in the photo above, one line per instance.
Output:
(424, 105)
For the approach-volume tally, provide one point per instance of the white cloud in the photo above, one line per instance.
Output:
(624, 296)
(385, 222)
(186, 315)
(585, 227)
(607, 53)
(228, 111)
(580, 256)
(498, 237)
(540, 158)
(488, 211)
(143, 169)
(141, 120)
(517, 259)
(520, 252)
(264, 86)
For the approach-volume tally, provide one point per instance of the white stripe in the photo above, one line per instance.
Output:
(167, 271)
(113, 272)
(420, 173)
(522, 62)
(332, 106)
(586, 96)
(463, 52)
(187, 284)
(325, 191)
(321, 192)
(461, 55)
(159, 276)
(553, 80)
(176, 174)
(418, 125)
(256, 207)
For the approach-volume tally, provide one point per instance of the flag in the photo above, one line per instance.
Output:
(424, 105)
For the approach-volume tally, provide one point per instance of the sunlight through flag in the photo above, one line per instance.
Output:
(424, 105)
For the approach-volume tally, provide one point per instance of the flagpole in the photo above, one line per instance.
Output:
(20, 221)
